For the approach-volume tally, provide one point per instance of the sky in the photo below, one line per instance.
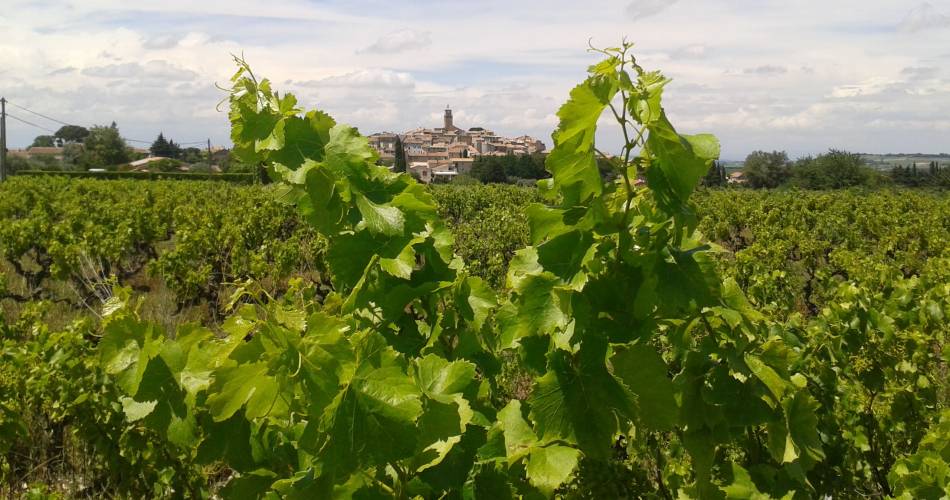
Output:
(797, 75)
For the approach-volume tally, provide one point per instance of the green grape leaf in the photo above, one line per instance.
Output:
(372, 420)
(348, 153)
(380, 219)
(537, 310)
(125, 350)
(775, 383)
(475, 301)
(572, 162)
(577, 401)
(439, 377)
(247, 384)
(742, 487)
(678, 162)
(518, 436)
(402, 265)
(135, 410)
(548, 468)
(644, 372)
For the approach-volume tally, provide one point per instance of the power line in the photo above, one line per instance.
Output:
(30, 123)
(41, 115)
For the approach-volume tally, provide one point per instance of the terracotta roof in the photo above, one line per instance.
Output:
(44, 150)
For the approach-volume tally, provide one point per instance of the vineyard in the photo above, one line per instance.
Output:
(347, 332)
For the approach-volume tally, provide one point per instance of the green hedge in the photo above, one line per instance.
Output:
(235, 178)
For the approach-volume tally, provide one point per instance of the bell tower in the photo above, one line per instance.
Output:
(448, 118)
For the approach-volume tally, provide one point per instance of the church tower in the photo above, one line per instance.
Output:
(448, 119)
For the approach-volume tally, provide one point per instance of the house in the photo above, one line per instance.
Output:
(54, 152)
(142, 165)
(421, 170)
(737, 178)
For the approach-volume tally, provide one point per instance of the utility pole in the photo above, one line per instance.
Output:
(3, 139)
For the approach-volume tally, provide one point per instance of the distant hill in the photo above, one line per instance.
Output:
(888, 161)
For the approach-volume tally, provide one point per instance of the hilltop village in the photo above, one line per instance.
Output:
(435, 154)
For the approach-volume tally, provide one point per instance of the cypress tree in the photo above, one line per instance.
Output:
(400, 161)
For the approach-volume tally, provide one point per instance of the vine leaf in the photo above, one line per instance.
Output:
(236, 386)
(578, 402)
(572, 162)
(549, 467)
(643, 371)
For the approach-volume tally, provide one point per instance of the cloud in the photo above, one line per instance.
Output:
(163, 41)
(924, 17)
(62, 71)
(920, 73)
(694, 51)
(796, 79)
(399, 41)
(372, 78)
(124, 70)
(157, 69)
(767, 70)
(639, 9)
(869, 87)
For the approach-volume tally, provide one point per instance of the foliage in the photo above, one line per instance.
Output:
(489, 170)
(71, 133)
(386, 385)
(165, 165)
(400, 156)
(602, 354)
(832, 170)
(193, 155)
(232, 177)
(60, 414)
(716, 176)
(766, 170)
(43, 141)
(16, 163)
(936, 175)
(499, 169)
(103, 146)
(165, 148)
(64, 239)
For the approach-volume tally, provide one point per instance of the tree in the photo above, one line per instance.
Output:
(103, 147)
(400, 161)
(832, 170)
(716, 176)
(72, 155)
(43, 141)
(164, 147)
(766, 170)
(71, 133)
(192, 155)
(17, 163)
(490, 169)
(526, 166)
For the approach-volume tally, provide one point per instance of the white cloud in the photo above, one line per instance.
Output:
(371, 78)
(158, 69)
(639, 9)
(869, 87)
(772, 76)
(399, 41)
(767, 70)
(924, 17)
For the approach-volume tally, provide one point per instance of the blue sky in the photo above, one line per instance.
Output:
(801, 75)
